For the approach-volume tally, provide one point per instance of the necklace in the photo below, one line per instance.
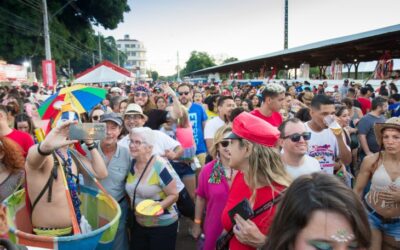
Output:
(72, 185)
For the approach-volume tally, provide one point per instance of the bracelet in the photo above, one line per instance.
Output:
(91, 146)
(41, 152)
(197, 221)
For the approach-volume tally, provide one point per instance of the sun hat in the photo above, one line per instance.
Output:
(254, 129)
(134, 108)
(393, 122)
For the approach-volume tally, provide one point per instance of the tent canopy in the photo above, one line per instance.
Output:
(103, 72)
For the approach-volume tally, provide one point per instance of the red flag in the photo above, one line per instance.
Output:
(49, 73)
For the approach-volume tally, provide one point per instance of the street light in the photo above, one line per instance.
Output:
(26, 64)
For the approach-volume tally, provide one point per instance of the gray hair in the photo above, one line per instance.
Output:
(147, 135)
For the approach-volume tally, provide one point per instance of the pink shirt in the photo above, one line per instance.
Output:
(216, 196)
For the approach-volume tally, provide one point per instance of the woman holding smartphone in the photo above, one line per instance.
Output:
(260, 179)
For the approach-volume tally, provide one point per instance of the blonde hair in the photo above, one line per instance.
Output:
(218, 137)
(265, 168)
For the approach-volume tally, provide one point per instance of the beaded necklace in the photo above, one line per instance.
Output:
(72, 184)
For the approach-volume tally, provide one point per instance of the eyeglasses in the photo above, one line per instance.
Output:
(140, 94)
(132, 117)
(296, 136)
(224, 144)
(136, 143)
(183, 93)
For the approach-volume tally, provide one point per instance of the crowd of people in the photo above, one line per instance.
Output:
(276, 166)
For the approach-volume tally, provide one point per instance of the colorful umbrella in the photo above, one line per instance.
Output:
(83, 98)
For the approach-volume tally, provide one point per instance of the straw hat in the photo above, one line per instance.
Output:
(393, 122)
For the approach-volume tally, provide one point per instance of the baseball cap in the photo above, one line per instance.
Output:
(254, 129)
(112, 117)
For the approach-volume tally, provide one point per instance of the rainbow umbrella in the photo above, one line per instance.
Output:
(83, 98)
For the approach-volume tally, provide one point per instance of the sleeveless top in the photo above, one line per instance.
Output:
(381, 182)
(11, 184)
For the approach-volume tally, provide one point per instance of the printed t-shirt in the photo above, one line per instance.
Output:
(197, 116)
(151, 187)
(275, 119)
(323, 146)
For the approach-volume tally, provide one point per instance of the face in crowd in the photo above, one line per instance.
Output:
(141, 98)
(134, 120)
(294, 140)
(185, 95)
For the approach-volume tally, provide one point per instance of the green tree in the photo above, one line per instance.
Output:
(154, 75)
(71, 30)
(230, 59)
(197, 61)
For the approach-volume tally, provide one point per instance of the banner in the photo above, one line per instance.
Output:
(49, 73)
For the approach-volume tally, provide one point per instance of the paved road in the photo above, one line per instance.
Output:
(184, 240)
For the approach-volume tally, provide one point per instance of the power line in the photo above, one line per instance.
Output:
(35, 7)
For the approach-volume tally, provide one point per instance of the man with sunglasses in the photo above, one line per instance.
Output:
(294, 142)
(197, 117)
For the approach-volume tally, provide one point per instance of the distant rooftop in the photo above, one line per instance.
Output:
(126, 38)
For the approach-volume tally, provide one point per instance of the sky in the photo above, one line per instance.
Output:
(243, 28)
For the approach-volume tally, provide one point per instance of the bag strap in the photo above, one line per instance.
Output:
(140, 178)
(266, 206)
(49, 185)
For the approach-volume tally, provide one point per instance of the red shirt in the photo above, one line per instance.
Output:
(275, 119)
(23, 139)
(238, 192)
(365, 104)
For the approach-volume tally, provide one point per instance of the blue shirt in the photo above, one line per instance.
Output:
(197, 115)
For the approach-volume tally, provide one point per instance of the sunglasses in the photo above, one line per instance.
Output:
(224, 144)
(96, 117)
(183, 93)
(296, 136)
(142, 94)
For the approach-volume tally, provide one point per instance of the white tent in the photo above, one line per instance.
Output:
(102, 74)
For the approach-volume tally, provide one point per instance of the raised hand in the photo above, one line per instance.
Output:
(58, 137)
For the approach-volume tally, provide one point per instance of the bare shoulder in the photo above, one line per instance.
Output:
(369, 160)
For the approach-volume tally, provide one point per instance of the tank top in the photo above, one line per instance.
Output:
(381, 182)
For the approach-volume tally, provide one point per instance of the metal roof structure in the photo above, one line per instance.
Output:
(365, 46)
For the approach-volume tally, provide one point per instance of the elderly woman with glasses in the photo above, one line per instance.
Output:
(213, 188)
(151, 178)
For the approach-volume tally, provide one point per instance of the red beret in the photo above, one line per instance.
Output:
(254, 129)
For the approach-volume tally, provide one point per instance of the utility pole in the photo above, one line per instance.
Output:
(118, 57)
(46, 31)
(93, 59)
(285, 46)
(100, 56)
(177, 66)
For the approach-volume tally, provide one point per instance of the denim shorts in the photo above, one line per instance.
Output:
(182, 169)
(377, 222)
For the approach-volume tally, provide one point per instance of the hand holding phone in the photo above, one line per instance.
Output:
(243, 209)
(87, 131)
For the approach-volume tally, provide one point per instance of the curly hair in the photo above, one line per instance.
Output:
(13, 158)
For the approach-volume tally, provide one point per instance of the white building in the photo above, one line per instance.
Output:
(136, 53)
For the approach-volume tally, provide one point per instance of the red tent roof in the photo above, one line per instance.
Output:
(107, 64)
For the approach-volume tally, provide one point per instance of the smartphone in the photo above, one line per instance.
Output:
(243, 209)
(87, 131)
